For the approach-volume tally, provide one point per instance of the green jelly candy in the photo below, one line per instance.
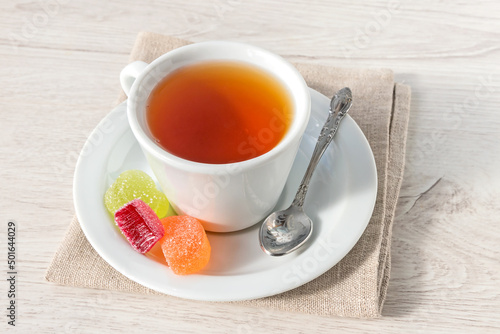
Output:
(133, 184)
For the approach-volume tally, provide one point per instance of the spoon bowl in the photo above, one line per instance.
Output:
(282, 232)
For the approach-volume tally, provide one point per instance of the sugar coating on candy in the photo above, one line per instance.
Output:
(140, 225)
(185, 244)
(133, 184)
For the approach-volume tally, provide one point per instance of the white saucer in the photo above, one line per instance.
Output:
(340, 202)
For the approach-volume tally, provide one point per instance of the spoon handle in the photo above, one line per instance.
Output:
(339, 106)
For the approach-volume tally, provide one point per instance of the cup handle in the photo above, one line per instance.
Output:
(130, 73)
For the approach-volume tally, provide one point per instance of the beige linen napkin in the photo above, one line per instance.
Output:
(357, 285)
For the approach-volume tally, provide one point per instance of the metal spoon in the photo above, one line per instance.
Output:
(286, 230)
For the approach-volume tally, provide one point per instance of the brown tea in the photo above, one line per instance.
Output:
(219, 112)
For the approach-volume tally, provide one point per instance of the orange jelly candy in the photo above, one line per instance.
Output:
(185, 244)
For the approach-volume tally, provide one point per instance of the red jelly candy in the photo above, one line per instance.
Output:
(140, 225)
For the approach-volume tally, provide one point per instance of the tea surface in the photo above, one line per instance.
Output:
(218, 112)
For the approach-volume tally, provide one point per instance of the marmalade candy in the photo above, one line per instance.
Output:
(140, 225)
(133, 184)
(185, 244)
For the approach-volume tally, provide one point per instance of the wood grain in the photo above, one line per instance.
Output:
(59, 77)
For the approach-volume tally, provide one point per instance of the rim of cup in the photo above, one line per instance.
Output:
(283, 71)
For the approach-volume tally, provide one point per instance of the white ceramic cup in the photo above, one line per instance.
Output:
(225, 197)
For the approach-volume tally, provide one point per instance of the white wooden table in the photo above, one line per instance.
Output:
(60, 62)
